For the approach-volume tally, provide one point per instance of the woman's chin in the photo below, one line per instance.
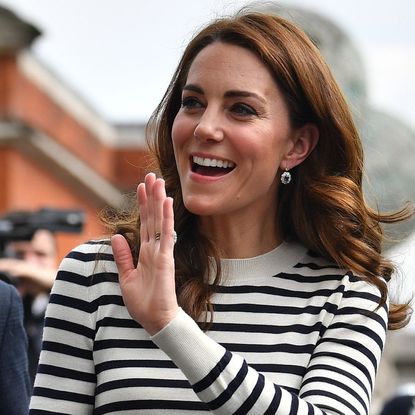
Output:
(201, 207)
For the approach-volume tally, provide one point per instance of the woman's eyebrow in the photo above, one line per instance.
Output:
(193, 88)
(235, 93)
(243, 94)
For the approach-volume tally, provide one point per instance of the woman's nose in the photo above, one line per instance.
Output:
(209, 127)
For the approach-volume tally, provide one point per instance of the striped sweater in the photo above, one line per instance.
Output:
(292, 334)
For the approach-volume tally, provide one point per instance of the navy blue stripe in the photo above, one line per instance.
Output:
(328, 407)
(143, 383)
(67, 373)
(90, 256)
(340, 385)
(276, 291)
(352, 311)
(71, 302)
(356, 346)
(269, 348)
(102, 277)
(275, 403)
(63, 395)
(107, 300)
(342, 372)
(122, 343)
(362, 294)
(336, 398)
(311, 409)
(98, 242)
(213, 374)
(316, 267)
(69, 326)
(230, 390)
(87, 307)
(310, 279)
(73, 278)
(348, 359)
(279, 368)
(294, 405)
(360, 329)
(253, 397)
(154, 404)
(118, 364)
(87, 280)
(265, 328)
(117, 322)
(67, 350)
(275, 309)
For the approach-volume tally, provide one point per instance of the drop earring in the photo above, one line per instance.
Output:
(286, 177)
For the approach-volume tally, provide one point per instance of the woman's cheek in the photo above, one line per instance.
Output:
(178, 132)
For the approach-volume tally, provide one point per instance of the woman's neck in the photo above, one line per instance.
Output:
(242, 237)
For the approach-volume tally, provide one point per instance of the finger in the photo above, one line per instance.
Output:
(149, 186)
(159, 196)
(143, 207)
(122, 256)
(167, 235)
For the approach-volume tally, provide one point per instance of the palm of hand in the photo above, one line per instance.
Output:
(148, 290)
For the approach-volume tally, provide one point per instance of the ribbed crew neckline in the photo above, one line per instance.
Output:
(281, 258)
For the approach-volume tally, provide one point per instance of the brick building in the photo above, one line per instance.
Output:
(55, 151)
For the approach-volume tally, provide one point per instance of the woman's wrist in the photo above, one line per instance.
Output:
(156, 326)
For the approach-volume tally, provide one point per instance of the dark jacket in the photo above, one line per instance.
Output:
(14, 375)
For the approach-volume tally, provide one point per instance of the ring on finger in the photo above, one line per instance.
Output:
(157, 236)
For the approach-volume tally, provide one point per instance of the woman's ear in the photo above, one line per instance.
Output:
(303, 143)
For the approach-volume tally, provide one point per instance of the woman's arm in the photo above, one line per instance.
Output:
(339, 379)
(65, 381)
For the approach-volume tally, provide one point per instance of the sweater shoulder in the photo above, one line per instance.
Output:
(319, 269)
(89, 263)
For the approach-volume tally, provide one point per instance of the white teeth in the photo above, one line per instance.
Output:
(201, 161)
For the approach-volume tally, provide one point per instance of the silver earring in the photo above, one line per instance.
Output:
(286, 177)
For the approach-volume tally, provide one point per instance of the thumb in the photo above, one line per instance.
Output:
(122, 255)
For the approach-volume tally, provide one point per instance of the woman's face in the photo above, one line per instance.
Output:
(231, 134)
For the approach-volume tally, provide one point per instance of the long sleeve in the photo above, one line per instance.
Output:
(339, 378)
(286, 340)
(65, 381)
(14, 375)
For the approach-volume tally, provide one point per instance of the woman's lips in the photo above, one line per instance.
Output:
(211, 166)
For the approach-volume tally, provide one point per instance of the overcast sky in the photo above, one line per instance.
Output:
(119, 54)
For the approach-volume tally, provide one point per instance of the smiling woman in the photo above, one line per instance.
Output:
(233, 112)
(274, 298)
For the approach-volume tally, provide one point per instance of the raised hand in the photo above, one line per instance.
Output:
(148, 290)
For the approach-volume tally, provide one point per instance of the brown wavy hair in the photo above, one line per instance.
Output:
(323, 207)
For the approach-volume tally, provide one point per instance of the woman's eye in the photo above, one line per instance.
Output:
(190, 103)
(243, 109)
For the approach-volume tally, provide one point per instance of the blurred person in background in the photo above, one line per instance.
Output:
(14, 375)
(31, 265)
(403, 403)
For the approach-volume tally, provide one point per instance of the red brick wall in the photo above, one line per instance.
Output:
(7, 67)
(31, 187)
(26, 102)
(25, 184)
